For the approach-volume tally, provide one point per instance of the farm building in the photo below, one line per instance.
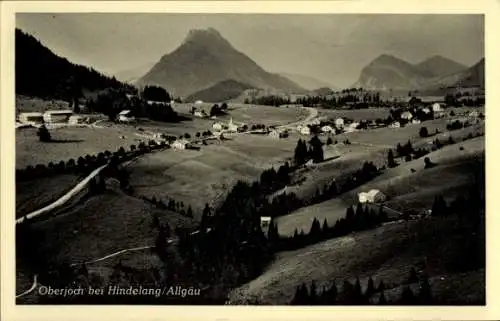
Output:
(373, 196)
(154, 102)
(200, 114)
(416, 121)
(217, 126)
(339, 122)
(406, 115)
(31, 118)
(198, 102)
(76, 120)
(180, 144)
(57, 116)
(395, 124)
(124, 116)
(327, 129)
(315, 122)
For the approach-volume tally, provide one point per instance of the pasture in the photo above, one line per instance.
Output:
(32, 195)
(386, 253)
(101, 225)
(199, 177)
(355, 114)
(406, 190)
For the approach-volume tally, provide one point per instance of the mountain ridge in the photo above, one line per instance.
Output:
(205, 58)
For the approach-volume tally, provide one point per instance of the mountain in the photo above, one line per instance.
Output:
(131, 75)
(221, 91)
(307, 82)
(41, 73)
(389, 72)
(206, 58)
(470, 77)
(439, 66)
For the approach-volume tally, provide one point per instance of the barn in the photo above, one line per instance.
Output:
(327, 129)
(373, 196)
(339, 122)
(406, 115)
(265, 222)
(31, 118)
(217, 126)
(180, 144)
(57, 116)
(436, 107)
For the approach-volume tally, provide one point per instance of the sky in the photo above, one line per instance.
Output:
(329, 47)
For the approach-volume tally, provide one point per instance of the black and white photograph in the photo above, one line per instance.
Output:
(167, 158)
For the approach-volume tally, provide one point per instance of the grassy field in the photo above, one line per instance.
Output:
(78, 141)
(386, 253)
(32, 195)
(26, 104)
(406, 190)
(101, 225)
(355, 114)
(198, 177)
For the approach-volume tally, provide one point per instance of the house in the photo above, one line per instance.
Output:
(232, 127)
(198, 102)
(426, 110)
(265, 222)
(436, 107)
(217, 127)
(31, 118)
(416, 121)
(198, 114)
(406, 115)
(57, 116)
(316, 122)
(305, 130)
(154, 102)
(274, 134)
(373, 196)
(395, 124)
(124, 116)
(180, 144)
(474, 114)
(327, 129)
(339, 122)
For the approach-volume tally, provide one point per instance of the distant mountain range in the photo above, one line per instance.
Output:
(387, 72)
(41, 73)
(204, 59)
(220, 92)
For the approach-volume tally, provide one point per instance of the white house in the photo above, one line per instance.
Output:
(274, 134)
(406, 115)
(395, 124)
(124, 116)
(217, 127)
(373, 196)
(354, 125)
(57, 116)
(31, 118)
(198, 102)
(232, 127)
(315, 122)
(180, 144)
(436, 107)
(474, 114)
(327, 129)
(199, 114)
(304, 130)
(265, 222)
(416, 121)
(339, 122)
(426, 110)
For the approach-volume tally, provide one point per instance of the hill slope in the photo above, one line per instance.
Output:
(221, 91)
(206, 58)
(41, 73)
(387, 71)
(440, 66)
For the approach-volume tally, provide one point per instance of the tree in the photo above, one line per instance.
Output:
(407, 296)
(329, 141)
(44, 134)
(189, 212)
(413, 277)
(382, 300)
(370, 289)
(390, 159)
(300, 154)
(317, 149)
(425, 295)
(428, 163)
